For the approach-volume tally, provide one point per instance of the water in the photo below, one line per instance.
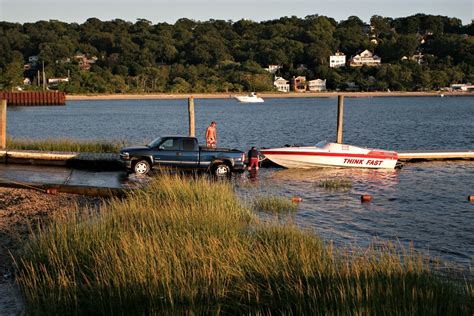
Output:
(424, 203)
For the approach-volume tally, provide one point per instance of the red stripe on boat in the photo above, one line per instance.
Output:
(393, 156)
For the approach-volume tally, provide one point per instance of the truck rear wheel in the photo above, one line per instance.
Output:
(221, 170)
(141, 167)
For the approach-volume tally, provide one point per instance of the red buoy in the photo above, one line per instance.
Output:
(470, 198)
(296, 199)
(52, 191)
(365, 198)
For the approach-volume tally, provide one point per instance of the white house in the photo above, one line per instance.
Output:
(55, 81)
(462, 86)
(273, 68)
(337, 60)
(317, 85)
(418, 57)
(281, 84)
(365, 58)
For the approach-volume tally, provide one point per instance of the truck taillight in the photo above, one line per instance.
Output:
(243, 157)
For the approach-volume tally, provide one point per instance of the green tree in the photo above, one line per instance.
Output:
(179, 85)
(12, 75)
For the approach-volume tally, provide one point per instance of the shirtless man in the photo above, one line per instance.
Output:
(211, 139)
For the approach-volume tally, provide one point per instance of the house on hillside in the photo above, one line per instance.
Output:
(317, 85)
(298, 84)
(418, 57)
(281, 84)
(85, 62)
(33, 60)
(56, 81)
(273, 68)
(365, 58)
(337, 60)
(462, 87)
(32, 63)
(301, 67)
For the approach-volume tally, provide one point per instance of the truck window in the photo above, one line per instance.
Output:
(170, 144)
(189, 144)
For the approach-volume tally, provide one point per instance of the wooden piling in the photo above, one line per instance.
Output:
(3, 124)
(340, 114)
(192, 126)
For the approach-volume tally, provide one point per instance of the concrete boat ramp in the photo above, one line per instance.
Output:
(52, 179)
(92, 161)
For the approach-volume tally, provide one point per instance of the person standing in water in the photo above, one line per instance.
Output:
(253, 158)
(211, 135)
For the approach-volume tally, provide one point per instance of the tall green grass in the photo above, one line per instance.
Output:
(274, 204)
(67, 145)
(335, 184)
(189, 246)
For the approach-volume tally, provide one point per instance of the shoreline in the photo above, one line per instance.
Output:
(270, 95)
(21, 210)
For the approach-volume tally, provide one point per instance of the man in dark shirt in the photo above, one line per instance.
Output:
(253, 158)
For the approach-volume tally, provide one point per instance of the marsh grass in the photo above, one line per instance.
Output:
(335, 184)
(66, 145)
(188, 246)
(274, 204)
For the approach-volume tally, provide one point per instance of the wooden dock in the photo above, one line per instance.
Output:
(426, 155)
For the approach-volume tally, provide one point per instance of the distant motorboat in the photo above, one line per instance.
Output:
(251, 98)
(325, 154)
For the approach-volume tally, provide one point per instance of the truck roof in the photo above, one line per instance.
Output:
(177, 136)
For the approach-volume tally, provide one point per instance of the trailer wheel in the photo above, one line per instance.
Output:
(141, 167)
(221, 170)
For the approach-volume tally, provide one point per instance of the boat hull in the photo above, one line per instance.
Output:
(249, 100)
(311, 157)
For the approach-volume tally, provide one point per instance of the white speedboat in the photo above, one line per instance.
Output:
(325, 154)
(251, 98)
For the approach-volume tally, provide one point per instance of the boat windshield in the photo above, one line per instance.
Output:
(155, 142)
(321, 144)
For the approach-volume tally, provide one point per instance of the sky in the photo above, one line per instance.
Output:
(158, 11)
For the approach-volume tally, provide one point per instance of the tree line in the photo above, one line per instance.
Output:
(227, 56)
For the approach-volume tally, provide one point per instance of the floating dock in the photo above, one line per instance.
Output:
(427, 155)
(32, 98)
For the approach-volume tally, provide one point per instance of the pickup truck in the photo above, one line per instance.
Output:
(182, 152)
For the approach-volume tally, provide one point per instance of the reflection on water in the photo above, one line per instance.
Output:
(422, 203)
